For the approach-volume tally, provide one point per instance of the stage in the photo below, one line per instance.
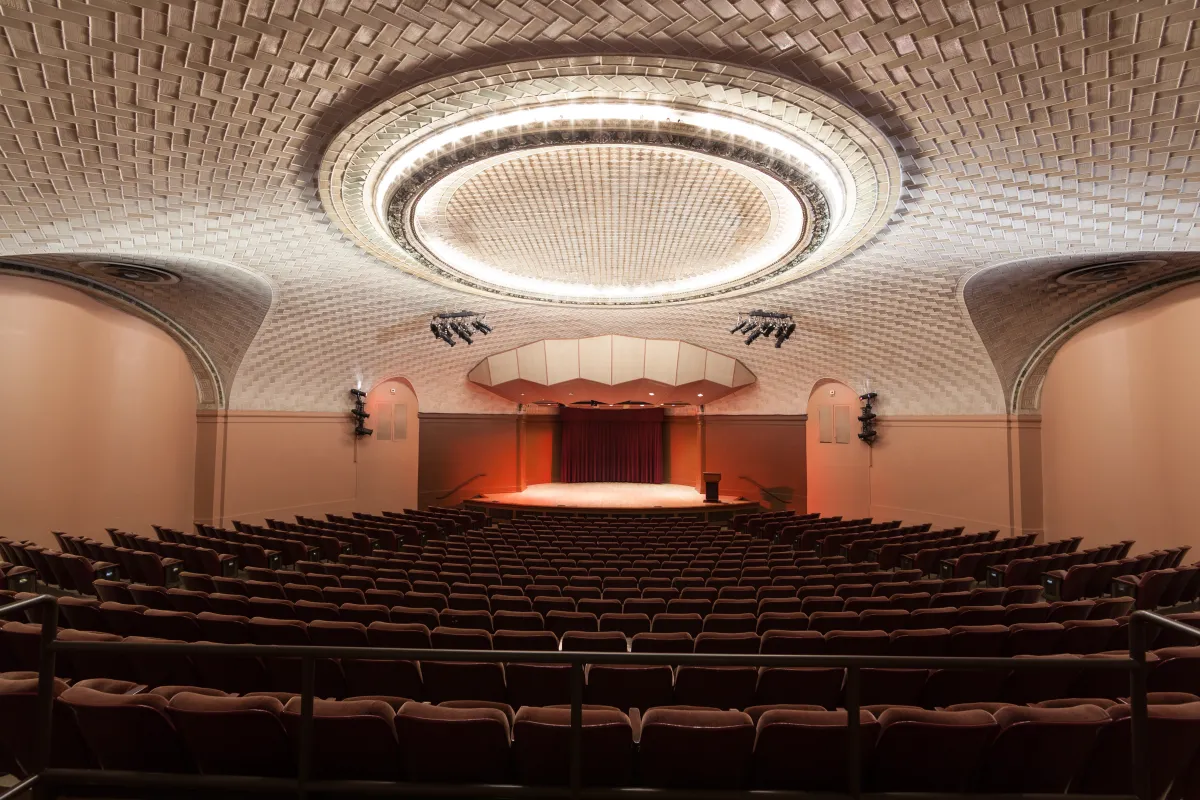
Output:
(609, 500)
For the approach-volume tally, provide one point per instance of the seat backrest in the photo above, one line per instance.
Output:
(351, 739)
(820, 736)
(907, 738)
(541, 746)
(234, 735)
(440, 744)
(128, 732)
(1039, 750)
(694, 749)
(1174, 743)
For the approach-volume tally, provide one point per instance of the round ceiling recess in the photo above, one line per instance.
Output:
(1107, 272)
(134, 273)
(611, 181)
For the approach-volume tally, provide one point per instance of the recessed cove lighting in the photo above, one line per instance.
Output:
(536, 190)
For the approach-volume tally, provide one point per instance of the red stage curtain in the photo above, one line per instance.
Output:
(612, 445)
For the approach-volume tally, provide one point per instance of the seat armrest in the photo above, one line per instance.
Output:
(635, 722)
(946, 567)
(995, 576)
(229, 565)
(1124, 586)
(1052, 583)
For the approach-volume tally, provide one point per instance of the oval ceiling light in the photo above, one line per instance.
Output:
(611, 180)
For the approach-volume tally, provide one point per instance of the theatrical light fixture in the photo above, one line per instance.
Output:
(359, 413)
(447, 325)
(760, 323)
(867, 418)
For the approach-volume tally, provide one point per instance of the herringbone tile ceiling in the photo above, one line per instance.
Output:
(188, 132)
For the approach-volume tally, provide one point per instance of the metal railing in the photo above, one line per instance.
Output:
(47, 780)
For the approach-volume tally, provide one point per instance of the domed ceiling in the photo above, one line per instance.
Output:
(909, 180)
(622, 181)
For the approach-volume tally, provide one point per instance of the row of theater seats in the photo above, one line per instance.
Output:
(1176, 667)
(754, 523)
(287, 543)
(827, 611)
(173, 603)
(54, 568)
(1077, 746)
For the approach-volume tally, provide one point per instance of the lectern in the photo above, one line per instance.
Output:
(711, 481)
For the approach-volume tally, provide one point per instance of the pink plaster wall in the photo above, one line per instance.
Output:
(387, 468)
(839, 478)
(949, 471)
(1119, 440)
(97, 417)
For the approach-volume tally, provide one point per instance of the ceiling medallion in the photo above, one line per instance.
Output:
(610, 181)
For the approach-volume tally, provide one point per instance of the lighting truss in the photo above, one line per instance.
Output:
(760, 323)
(458, 323)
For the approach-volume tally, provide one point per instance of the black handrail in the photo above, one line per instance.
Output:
(765, 489)
(452, 491)
(50, 646)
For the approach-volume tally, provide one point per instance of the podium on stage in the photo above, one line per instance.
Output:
(711, 481)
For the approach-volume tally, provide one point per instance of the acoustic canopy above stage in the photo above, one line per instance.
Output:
(611, 445)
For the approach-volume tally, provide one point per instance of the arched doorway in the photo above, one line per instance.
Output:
(387, 459)
(839, 478)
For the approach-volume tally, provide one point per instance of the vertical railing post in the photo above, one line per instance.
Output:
(46, 665)
(853, 733)
(1140, 730)
(308, 681)
(576, 743)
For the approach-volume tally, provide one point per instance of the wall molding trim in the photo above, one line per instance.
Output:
(756, 418)
(209, 417)
(965, 421)
(432, 416)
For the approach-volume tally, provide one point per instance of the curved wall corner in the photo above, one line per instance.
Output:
(1119, 447)
(97, 417)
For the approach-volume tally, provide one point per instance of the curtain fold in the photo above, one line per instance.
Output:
(611, 445)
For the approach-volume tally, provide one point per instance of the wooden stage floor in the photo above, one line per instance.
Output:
(608, 499)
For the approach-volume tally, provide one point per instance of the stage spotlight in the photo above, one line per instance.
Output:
(447, 325)
(759, 323)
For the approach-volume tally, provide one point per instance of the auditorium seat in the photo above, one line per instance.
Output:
(233, 735)
(351, 740)
(695, 749)
(1174, 733)
(1039, 750)
(128, 731)
(453, 745)
(804, 749)
(906, 738)
(541, 747)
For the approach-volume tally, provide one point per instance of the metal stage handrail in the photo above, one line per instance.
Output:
(45, 779)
